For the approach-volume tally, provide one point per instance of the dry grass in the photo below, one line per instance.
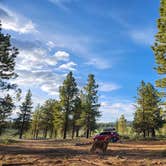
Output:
(65, 153)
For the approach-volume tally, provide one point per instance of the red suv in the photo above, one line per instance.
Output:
(113, 136)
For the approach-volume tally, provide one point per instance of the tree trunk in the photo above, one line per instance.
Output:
(34, 134)
(90, 133)
(22, 126)
(87, 133)
(51, 132)
(55, 133)
(77, 132)
(88, 128)
(148, 132)
(45, 132)
(37, 133)
(0, 131)
(73, 130)
(65, 125)
(144, 133)
(153, 133)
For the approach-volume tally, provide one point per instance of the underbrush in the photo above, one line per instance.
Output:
(7, 141)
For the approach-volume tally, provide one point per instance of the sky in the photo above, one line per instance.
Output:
(111, 39)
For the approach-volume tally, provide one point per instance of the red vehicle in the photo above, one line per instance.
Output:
(113, 136)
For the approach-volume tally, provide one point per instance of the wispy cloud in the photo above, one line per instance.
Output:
(99, 63)
(143, 36)
(107, 87)
(81, 46)
(63, 4)
(15, 22)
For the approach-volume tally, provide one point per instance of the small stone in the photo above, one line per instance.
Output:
(108, 162)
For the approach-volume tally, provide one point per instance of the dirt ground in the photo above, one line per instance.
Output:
(66, 153)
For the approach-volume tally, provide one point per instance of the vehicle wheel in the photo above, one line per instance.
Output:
(111, 140)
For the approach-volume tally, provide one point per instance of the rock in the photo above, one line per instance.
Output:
(108, 162)
(119, 157)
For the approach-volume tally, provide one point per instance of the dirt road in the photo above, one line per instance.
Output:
(65, 153)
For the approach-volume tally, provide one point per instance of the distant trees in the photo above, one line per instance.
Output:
(147, 117)
(122, 125)
(8, 55)
(159, 47)
(58, 119)
(24, 116)
(36, 122)
(48, 117)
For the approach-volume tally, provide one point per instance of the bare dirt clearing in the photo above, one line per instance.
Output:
(65, 153)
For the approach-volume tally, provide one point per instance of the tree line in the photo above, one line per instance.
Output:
(74, 111)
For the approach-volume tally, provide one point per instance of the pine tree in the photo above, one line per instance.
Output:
(48, 117)
(68, 93)
(91, 112)
(36, 122)
(76, 117)
(7, 72)
(58, 118)
(24, 116)
(5, 111)
(122, 125)
(159, 47)
(147, 117)
(140, 121)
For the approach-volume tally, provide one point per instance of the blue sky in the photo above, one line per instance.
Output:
(109, 38)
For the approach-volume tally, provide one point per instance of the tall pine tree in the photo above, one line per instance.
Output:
(68, 94)
(8, 55)
(159, 47)
(147, 117)
(91, 105)
(24, 116)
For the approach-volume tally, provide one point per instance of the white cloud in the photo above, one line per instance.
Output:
(112, 111)
(15, 22)
(38, 58)
(107, 87)
(143, 36)
(67, 66)
(37, 69)
(62, 55)
(99, 63)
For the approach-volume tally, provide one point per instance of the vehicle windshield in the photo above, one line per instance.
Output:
(105, 133)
